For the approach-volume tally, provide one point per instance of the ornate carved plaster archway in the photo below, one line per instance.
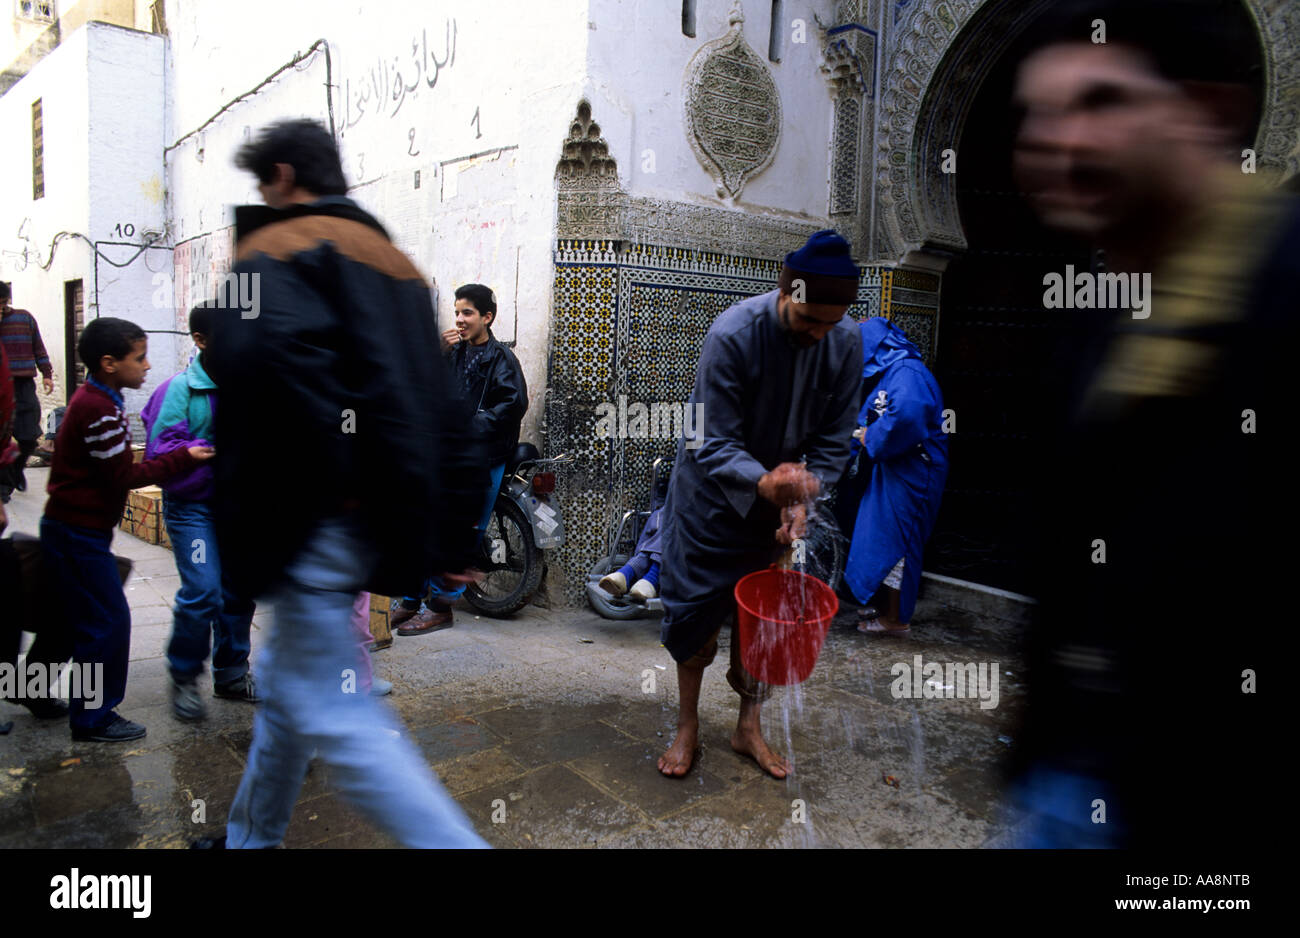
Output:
(941, 51)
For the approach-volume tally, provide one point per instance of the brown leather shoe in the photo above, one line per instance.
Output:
(428, 620)
(399, 614)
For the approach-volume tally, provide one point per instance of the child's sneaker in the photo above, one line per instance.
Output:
(186, 702)
(116, 730)
(243, 688)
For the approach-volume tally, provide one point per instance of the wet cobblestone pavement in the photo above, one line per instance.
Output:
(547, 715)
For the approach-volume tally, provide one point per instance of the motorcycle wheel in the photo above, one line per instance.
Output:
(507, 586)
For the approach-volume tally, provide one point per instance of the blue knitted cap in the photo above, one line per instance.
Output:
(825, 269)
(826, 254)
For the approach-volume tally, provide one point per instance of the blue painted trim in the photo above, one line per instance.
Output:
(839, 29)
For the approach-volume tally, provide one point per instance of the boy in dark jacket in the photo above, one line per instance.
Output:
(489, 378)
(179, 415)
(92, 472)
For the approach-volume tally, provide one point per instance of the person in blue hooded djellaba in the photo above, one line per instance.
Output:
(900, 428)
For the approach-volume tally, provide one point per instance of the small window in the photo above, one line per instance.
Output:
(38, 151)
(776, 35)
(39, 11)
(688, 18)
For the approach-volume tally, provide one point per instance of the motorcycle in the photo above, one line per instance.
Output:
(525, 521)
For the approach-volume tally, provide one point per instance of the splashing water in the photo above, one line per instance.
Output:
(795, 621)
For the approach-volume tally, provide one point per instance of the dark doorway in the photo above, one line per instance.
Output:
(73, 321)
(994, 336)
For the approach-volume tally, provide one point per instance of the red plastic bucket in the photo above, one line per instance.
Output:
(782, 617)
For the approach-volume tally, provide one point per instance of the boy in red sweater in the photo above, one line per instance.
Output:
(89, 479)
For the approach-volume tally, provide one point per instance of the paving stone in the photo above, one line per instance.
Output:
(513, 723)
(563, 745)
(628, 769)
(323, 818)
(551, 807)
(478, 770)
(454, 739)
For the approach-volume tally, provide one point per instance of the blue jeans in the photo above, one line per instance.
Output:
(310, 670)
(448, 593)
(98, 617)
(208, 617)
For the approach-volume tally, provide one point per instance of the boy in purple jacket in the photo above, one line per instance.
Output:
(208, 616)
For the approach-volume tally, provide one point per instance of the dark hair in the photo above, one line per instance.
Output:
(5, 292)
(201, 318)
(480, 296)
(107, 336)
(303, 144)
(1183, 40)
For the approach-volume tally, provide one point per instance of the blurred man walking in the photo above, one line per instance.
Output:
(340, 357)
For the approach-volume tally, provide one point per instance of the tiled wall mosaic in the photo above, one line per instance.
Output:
(630, 320)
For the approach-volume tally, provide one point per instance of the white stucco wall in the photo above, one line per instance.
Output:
(101, 94)
(484, 210)
(125, 75)
(28, 226)
(638, 64)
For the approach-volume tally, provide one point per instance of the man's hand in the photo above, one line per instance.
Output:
(788, 484)
(467, 577)
(4, 518)
(794, 523)
(860, 434)
(450, 338)
(203, 453)
(48, 384)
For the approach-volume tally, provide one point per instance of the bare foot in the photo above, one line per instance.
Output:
(676, 762)
(748, 741)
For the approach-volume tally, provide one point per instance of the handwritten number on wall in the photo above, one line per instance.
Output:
(474, 121)
(411, 150)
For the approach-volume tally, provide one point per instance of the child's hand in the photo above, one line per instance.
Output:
(203, 453)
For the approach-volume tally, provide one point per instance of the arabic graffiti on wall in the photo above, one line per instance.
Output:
(385, 88)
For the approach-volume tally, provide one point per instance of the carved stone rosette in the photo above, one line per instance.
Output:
(733, 109)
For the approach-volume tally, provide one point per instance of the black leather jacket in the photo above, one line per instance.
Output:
(497, 394)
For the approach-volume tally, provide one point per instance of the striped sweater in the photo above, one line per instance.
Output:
(93, 469)
(23, 345)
